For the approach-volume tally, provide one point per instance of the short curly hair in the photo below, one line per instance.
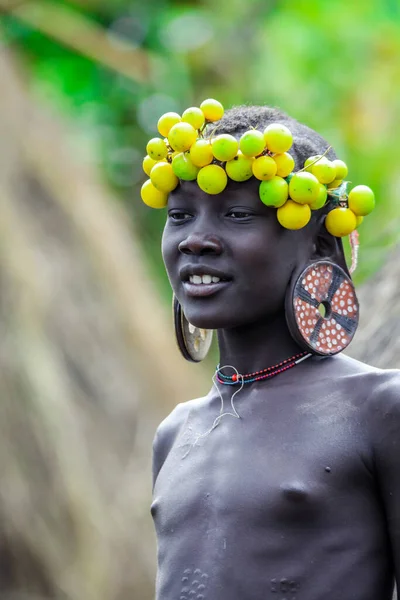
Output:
(306, 142)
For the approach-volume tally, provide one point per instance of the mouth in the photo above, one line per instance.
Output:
(198, 283)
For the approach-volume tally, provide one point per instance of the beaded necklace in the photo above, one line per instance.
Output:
(239, 379)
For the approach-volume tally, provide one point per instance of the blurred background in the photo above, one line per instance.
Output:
(88, 364)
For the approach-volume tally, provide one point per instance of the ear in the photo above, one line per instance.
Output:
(330, 247)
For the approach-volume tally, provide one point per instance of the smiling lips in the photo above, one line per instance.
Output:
(205, 284)
(203, 279)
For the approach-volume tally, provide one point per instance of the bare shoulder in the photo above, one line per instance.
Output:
(169, 429)
(375, 396)
(379, 392)
(172, 424)
(342, 366)
(375, 392)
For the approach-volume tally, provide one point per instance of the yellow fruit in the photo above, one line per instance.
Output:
(310, 160)
(340, 221)
(166, 121)
(148, 164)
(163, 177)
(320, 201)
(359, 220)
(341, 169)
(324, 170)
(212, 109)
(157, 149)
(304, 187)
(182, 136)
(284, 163)
(361, 200)
(212, 179)
(201, 153)
(293, 215)
(335, 184)
(240, 167)
(264, 168)
(153, 197)
(278, 138)
(194, 116)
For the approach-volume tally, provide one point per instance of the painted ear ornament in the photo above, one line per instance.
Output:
(193, 342)
(189, 150)
(322, 309)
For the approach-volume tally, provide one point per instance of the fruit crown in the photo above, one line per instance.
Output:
(186, 152)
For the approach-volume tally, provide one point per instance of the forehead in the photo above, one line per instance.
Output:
(246, 191)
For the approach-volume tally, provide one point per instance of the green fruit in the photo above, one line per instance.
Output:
(304, 187)
(224, 147)
(240, 167)
(183, 167)
(274, 192)
(361, 200)
(320, 201)
(212, 179)
(252, 143)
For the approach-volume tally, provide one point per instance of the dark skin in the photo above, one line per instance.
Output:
(299, 498)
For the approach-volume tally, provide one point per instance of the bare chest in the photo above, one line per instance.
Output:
(264, 469)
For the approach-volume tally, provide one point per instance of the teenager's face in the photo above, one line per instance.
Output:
(234, 237)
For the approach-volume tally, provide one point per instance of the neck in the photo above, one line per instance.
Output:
(257, 346)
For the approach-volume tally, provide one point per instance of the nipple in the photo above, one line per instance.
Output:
(296, 491)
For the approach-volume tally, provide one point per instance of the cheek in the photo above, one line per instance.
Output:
(266, 274)
(168, 251)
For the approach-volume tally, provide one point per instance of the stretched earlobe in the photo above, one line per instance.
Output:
(322, 309)
(193, 343)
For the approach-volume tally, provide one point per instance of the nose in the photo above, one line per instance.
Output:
(200, 244)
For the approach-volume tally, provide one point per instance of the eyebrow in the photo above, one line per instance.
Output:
(180, 194)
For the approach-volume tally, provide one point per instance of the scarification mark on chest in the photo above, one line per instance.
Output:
(194, 585)
(285, 588)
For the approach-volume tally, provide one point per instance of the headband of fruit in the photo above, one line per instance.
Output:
(186, 152)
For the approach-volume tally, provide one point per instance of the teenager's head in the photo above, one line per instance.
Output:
(233, 236)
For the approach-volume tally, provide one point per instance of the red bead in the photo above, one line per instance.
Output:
(234, 377)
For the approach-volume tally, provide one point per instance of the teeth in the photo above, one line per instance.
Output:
(207, 279)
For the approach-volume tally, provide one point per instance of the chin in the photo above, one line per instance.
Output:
(205, 318)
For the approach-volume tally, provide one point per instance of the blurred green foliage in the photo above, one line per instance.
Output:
(333, 65)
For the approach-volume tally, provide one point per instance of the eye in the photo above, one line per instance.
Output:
(239, 214)
(179, 216)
